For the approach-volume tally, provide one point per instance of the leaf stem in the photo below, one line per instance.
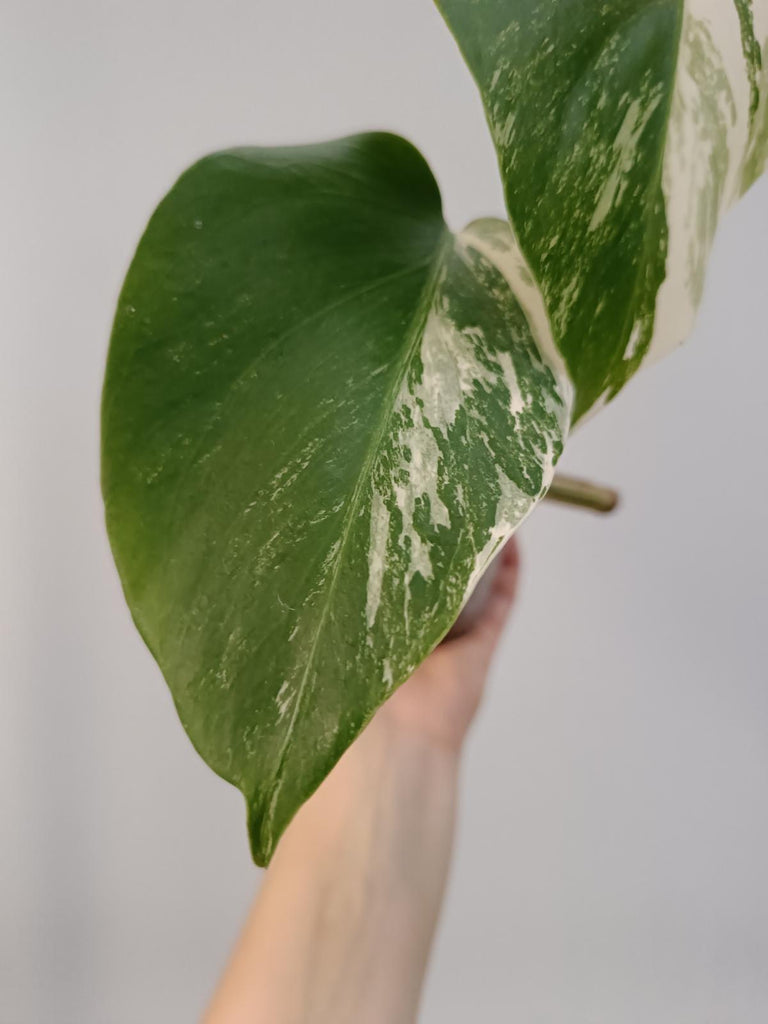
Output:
(569, 490)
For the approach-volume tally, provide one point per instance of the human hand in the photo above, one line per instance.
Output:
(440, 699)
(343, 924)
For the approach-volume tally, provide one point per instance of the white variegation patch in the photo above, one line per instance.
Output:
(708, 144)
(377, 555)
(450, 368)
(496, 241)
(622, 153)
(416, 476)
(458, 368)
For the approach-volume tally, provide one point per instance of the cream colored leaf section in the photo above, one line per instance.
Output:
(713, 136)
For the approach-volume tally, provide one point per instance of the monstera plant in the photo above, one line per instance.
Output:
(324, 411)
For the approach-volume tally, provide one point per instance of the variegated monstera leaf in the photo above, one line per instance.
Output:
(324, 412)
(624, 129)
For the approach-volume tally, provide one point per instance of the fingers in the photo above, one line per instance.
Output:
(503, 592)
(483, 632)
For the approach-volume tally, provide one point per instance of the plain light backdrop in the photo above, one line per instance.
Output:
(612, 856)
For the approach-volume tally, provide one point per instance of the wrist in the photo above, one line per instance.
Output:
(392, 780)
(394, 758)
(364, 863)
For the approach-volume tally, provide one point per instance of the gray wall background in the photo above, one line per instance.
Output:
(611, 860)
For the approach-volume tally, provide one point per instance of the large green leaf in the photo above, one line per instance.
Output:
(624, 128)
(322, 414)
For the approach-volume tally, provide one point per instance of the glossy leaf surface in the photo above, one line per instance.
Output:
(323, 413)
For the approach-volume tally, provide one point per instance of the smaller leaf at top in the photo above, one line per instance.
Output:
(624, 129)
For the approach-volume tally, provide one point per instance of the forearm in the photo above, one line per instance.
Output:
(343, 924)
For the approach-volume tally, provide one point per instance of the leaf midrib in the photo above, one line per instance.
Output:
(413, 335)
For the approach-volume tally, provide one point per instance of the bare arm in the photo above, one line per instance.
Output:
(341, 930)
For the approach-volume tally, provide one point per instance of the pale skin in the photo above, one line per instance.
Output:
(341, 929)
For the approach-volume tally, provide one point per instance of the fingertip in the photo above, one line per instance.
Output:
(510, 555)
(507, 576)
